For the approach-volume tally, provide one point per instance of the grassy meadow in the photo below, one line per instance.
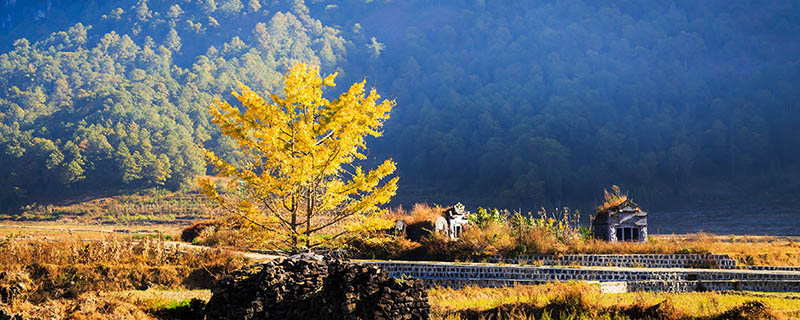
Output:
(584, 301)
(77, 261)
(66, 277)
(126, 278)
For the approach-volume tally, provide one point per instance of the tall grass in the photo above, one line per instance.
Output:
(35, 271)
(612, 199)
(491, 233)
(575, 300)
(555, 232)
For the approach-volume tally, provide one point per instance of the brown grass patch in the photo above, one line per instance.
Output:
(584, 301)
(33, 272)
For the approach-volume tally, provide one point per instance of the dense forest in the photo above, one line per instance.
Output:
(506, 103)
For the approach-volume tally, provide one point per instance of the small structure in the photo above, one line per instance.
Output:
(452, 221)
(625, 221)
(399, 229)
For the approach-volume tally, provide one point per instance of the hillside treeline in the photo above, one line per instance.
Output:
(516, 103)
(123, 103)
(527, 103)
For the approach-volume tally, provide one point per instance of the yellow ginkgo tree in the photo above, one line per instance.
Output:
(297, 181)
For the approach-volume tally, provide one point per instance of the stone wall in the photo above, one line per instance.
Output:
(770, 268)
(715, 285)
(429, 270)
(637, 279)
(715, 261)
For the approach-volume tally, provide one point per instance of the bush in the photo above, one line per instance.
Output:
(190, 233)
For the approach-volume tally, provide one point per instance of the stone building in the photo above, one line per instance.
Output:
(623, 222)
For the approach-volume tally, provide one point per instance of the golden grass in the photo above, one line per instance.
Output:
(38, 271)
(62, 231)
(699, 303)
(612, 199)
(420, 213)
(445, 300)
(154, 299)
(94, 306)
(582, 300)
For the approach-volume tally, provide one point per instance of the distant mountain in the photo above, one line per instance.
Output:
(505, 103)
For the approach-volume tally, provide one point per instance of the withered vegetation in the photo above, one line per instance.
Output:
(71, 276)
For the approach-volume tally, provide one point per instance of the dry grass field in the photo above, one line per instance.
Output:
(80, 264)
(132, 277)
(50, 279)
(584, 301)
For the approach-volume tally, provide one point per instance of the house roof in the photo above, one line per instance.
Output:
(627, 204)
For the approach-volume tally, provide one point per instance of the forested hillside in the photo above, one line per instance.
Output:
(514, 103)
(122, 103)
(551, 100)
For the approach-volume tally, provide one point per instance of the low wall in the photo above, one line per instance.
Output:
(770, 268)
(428, 270)
(634, 279)
(635, 286)
(710, 261)
(605, 287)
(716, 285)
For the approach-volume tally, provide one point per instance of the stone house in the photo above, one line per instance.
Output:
(623, 222)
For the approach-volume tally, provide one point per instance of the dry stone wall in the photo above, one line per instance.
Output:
(715, 261)
(715, 285)
(428, 270)
(656, 279)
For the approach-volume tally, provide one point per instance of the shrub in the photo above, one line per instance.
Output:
(190, 233)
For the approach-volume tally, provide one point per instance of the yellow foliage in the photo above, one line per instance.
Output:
(296, 148)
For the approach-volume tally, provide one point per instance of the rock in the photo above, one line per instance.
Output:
(306, 256)
(316, 289)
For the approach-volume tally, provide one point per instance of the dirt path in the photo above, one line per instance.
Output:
(249, 255)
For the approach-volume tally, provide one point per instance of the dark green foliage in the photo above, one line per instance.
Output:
(519, 103)
(508, 103)
(122, 104)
